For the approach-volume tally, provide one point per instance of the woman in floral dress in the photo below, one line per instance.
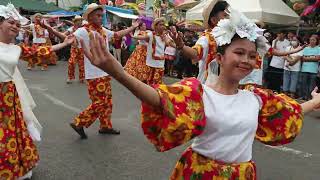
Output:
(18, 125)
(136, 64)
(213, 115)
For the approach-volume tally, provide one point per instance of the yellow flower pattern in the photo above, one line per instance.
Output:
(17, 150)
(182, 118)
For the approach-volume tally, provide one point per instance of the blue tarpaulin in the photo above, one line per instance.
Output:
(65, 13)
(120, 10)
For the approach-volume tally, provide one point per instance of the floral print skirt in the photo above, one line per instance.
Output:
(18, 153)
(136, 64)
(194, 166)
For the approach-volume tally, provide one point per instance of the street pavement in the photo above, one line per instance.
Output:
(129, 155)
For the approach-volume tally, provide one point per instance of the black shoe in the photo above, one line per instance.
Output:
(108, 131)
(79, 130)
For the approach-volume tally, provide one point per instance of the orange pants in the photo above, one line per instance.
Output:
(101, 107)
(76, 57)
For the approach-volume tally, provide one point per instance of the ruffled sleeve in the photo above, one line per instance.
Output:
(40, 51)
(280, 118)
(199, 50)
(181, 118)
(26, 52)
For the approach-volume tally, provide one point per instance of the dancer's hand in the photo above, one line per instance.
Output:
(45, 24)
(70, 39)
(177, 38)
(136, 23)
(316, 98)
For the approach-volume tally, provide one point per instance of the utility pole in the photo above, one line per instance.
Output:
(57, 3)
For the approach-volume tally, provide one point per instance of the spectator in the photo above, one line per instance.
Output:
(309, 67)
(184, 65)
(277, 63)
(290, 36)
(117, 44)
(170, 52)
(292, 68)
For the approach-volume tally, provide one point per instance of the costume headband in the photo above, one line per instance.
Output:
(10, 11)
(239, 24)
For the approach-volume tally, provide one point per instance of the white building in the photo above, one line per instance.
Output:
(65, 4)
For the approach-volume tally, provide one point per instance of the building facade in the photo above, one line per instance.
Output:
(66, 4)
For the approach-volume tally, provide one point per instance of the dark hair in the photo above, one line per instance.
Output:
(2, 19)
(299, 39)
(222, 49)
(218, 7)
(282, 31)
(316, 36)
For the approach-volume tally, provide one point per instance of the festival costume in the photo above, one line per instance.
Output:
(155, 59)
(98, 83)
(40, 39)
(190, 110)
(18, 125)
(76, 57)
(206, 48)
(222, 129)
(53, 58)
(136, 64)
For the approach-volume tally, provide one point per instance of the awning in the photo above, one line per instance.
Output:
(65, 13)
(271, 11)
(123, 13)
(32, 5)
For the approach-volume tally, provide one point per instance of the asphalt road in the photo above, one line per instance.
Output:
(129, 156)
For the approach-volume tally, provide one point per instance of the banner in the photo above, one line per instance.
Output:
(149, 8)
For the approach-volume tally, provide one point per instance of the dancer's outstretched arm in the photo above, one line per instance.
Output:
(60, 35)
(141, 37)
(67, 41)
(100, 57)
(186, 50)
(129, 29)
(313, 104)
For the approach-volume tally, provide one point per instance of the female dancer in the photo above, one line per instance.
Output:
(223, 129)
(155, 58)
(136, 64)
(18, 125)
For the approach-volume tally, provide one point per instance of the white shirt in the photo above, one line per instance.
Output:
(20, 36)
(160, 47)
(295, 67)
(171, 51)
(255, 77)
(276, 61)
(36, 39)
(9, 58)
(70, 29)
(204, 43)
(91, 71)
(232, 121)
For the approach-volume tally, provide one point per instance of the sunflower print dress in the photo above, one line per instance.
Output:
(18, 153)
(183, 118)
(136, 64)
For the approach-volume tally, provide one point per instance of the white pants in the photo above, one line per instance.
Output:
(117, 54)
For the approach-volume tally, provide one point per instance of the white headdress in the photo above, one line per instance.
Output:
(239, 24)
(10, 11)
